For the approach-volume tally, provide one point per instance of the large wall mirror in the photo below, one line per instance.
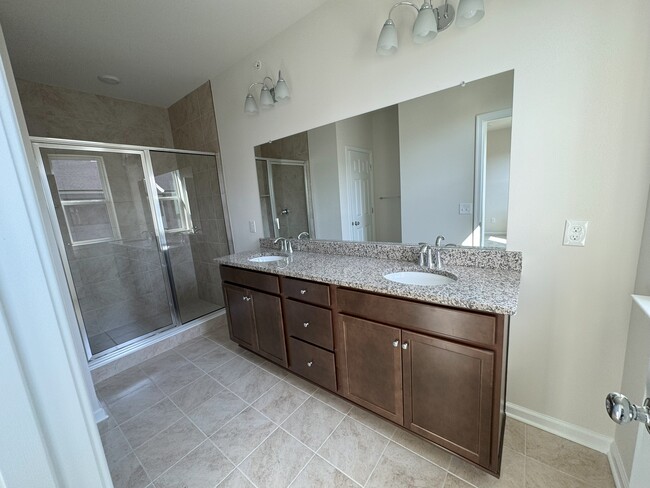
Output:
(435, 165)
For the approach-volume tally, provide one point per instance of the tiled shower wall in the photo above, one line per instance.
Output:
(194, 127)
(52, 111)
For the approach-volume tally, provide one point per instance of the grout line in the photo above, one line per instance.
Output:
(377, 463)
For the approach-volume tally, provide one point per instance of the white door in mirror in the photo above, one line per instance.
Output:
(575, 232)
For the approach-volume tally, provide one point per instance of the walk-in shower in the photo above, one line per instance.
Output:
(139, 230)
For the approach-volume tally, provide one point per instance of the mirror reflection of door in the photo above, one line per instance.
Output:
(284, 197)
(493, 135)
(360, 193)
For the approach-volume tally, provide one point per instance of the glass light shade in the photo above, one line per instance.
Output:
(250, 106)
(281, 88)
(425, 27)
(387, 42)
(266, 100)
(469, 12)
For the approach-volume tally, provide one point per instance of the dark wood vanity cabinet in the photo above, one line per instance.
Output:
(436, 371)
(254, 310)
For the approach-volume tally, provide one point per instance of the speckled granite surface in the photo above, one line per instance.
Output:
(454, 256)
(490, 290)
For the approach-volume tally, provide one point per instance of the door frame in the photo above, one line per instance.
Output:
(348, 226)
(480, 157)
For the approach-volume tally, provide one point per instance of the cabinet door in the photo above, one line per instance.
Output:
(448, 394)
(267, 310)
(374, 366)
(240, 315)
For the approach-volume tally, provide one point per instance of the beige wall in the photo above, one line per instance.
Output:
(497, 176)
(192, 121)
(579, 150)
(52, 111)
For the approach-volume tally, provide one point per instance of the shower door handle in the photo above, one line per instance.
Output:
(622, 411)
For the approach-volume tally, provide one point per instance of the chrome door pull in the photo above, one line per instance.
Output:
(303, 291)
(395, 343)
(305, 324)
(622, 411)
(309, 363)
(405, 345)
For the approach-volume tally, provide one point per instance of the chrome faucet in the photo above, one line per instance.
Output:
(285, 244)
(303, 235)
(439, 240)
(426, 259)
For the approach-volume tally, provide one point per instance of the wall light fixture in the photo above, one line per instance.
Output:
(429, 22)
(269, 95)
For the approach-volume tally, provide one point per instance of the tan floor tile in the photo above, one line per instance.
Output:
(333, 401)
(253, 385)
(129, 473)
(313, 422)
(512, 471)
(539, 475)
(164, 450)
(121, 384)
(515, 436)
(107, 424)
(277, 461)
(135, 402)
(115, 445)
(196, 348)
(320, 473)
(570, 458)
(194, 394)
(236, 479)
(280, 401)
(274, 369)
(213, 359)
(400, 467)
(147, 424)
(178, 378)
(300, 383)
(162, 363)
(203, 467)
(422, 447)
(375, 422)
(213, 414)
(229, 372)
(453, 482)
(239, 437)
(354, 449)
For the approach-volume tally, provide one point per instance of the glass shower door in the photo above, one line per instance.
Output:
(189, 198)
(115, 273)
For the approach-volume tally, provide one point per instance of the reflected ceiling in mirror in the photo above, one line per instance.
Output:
(435, 165)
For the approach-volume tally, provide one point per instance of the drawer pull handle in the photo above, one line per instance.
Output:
(395, 343)
(303, 291)
(405, 345)
(309, 363)
(246, 299)
(305, 324)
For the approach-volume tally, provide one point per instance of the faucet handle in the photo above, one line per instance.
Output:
(439, 240)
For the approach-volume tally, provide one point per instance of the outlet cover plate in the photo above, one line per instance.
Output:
(464, 208)
(575, 232)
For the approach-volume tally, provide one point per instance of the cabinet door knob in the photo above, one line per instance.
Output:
(246, 299)
(405, 345)
(309, 363)
(395, 343)
(303, 291)
(305, 324)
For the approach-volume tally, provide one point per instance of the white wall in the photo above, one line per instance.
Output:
(385, 151)
(324, 172)
(580, 150)
(497, 176)
(437, 135)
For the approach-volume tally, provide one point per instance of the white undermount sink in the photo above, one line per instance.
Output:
(266, 259)
(418, 278)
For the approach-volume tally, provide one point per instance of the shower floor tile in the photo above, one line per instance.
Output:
(322, 440)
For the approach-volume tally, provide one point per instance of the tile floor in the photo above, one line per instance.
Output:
(209, 414)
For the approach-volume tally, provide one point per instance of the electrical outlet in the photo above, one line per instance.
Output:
(464, 208)
(575, 232)
(252, 227)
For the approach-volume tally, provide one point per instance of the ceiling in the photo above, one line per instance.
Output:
(160, 49)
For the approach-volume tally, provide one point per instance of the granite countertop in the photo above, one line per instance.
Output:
(488, 290)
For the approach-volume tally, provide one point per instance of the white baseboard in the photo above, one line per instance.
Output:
(100, 414)
(580, 435)
(618, 470)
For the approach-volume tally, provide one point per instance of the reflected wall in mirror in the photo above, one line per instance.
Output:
(435, 165)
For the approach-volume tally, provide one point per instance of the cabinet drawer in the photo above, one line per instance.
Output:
(313, 363)
(309, 323)
(306, 291)
(457, 324)
(251, 279)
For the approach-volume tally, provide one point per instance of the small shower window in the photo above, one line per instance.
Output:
(173, 201)
(85, 197)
